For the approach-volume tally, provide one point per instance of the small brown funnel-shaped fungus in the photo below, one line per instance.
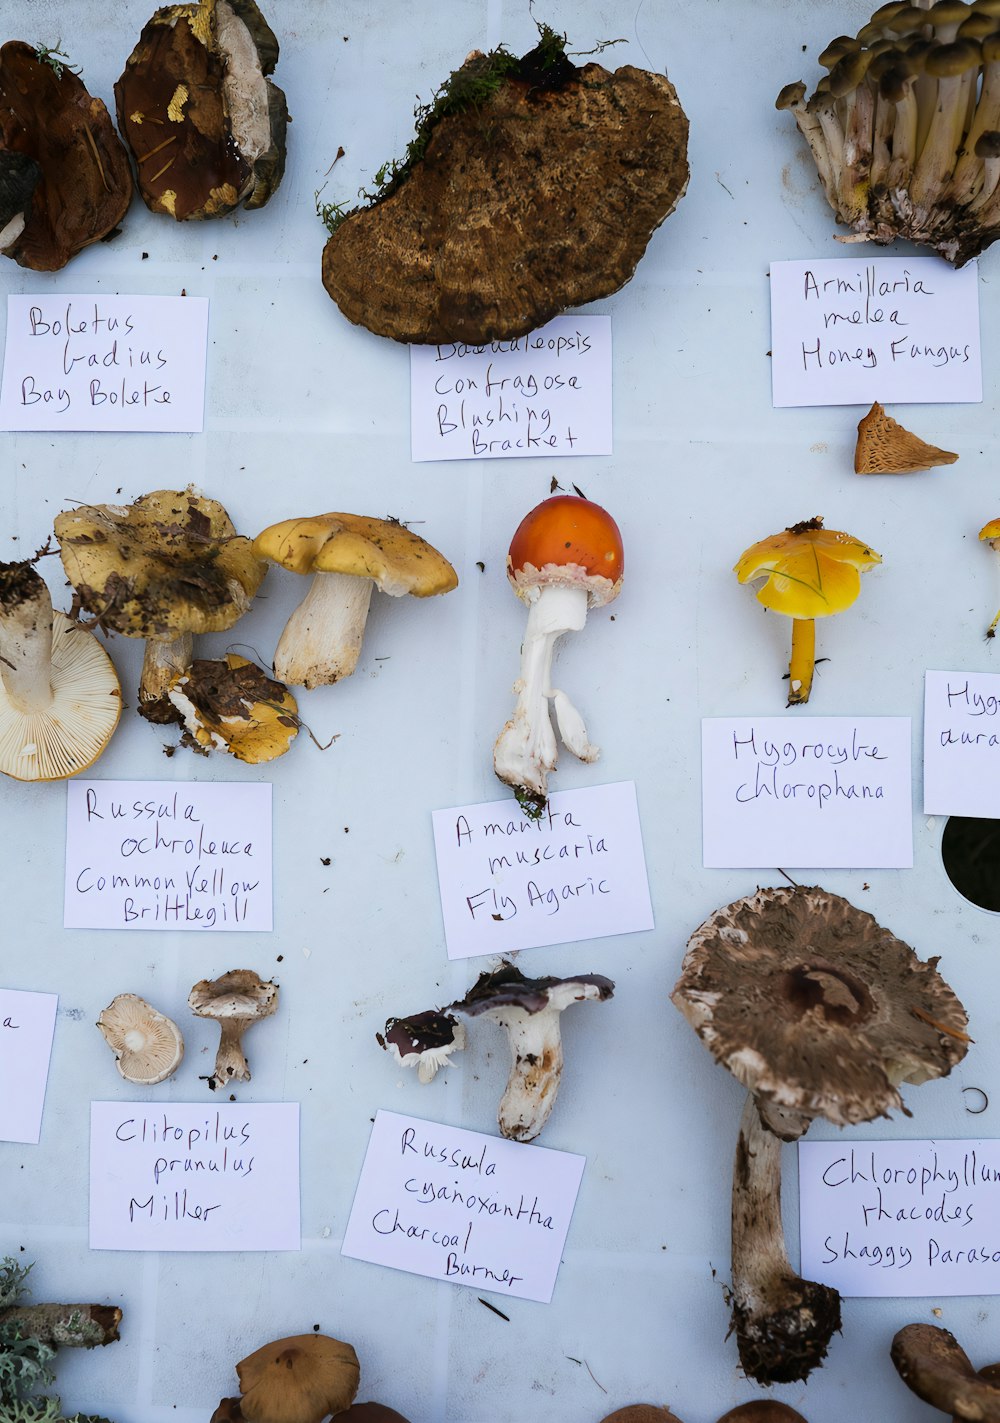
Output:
(885, 447)
(809, 572)
(66, 180)
(932, 1363)
(531, 186)
(205, 123)
(819, 1012)
(236, 1001)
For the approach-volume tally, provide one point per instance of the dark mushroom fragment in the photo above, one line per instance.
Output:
(932, 1363)
(532, 186)
(196, 106)
(425, 1041)
(65, 180)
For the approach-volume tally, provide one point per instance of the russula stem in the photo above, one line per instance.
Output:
(322, 639)
(803, 660)
(783, 1323)
(25, 637)
(164, 660)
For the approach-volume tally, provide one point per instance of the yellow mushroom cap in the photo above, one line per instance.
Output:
(990, 530)
(810, 572)
(398, 560)
(231, 705)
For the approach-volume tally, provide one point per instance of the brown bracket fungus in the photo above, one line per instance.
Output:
(347, 556)
(809, 572)
(886, 447)
(231, 705)
(147, 1046)
(425, 1041)
(301, 1379)
(932, 1363)
(903, 128)
(566, 556)
(532, 185)
(529, 1010)
(66, 180)
(204, 122)
(235, 1001)
(59, 695)
(164, 568)
(819, 1012)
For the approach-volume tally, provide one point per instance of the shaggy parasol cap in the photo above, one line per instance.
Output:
(205, 123)
(537, 191)
(425, 1041)
(567, 542)
(232, 705)
(886, 447)
(83, 184)
(932, 1363)
(147, 1046)
(396, 559)
(301, 1379)
(815, 1008)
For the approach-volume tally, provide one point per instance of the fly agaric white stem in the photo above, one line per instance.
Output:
(322, 639)
(25, 637)
(525, 751)
(783, 1323)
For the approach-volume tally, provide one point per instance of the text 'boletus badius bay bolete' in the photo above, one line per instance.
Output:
(196, 106)
(532, 185)
(819, 1012)
(904, 127)
(566, 556)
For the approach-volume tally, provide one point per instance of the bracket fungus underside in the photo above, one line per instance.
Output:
(538, 187)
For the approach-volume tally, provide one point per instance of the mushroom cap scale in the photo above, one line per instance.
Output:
(809, 571)
(147, 1046)
(815, 1008)
(301, 1379)
(396, 559)
(567, 541)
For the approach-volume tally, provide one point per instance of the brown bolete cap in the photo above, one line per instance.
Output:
(84, 183)
(762, 1410)
(236, 1000)
(147, 1046)
(232, 705)
(816, 1008)
(641, 1413)
(205, 123)
(932, 1363)
(538, 187)
(298, 1380)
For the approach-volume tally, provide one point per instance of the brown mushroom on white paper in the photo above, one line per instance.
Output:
(933, 1364)
(235, 1001)
(147, 1045)
(818, 1011)
(301, 1379)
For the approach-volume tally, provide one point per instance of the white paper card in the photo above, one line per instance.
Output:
(27, 1022)
(462, 1206)
(906, 1218)
(104, 362)
(807, 792)
(548, 393)
(962, 744)
(510, 883)
(851, 331)
(168, 855)
(194, 1176)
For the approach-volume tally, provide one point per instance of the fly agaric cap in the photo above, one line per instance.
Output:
(231, 705)
(235, 1001)
(933, 1364)
(529, 1010)
(301, 1379)
(346, 555)
(198, 110)
(568, 542)
(79, 184)
(532, 185)
(59, 694)
(425, 1041)
(147, 1046)
(885, 447)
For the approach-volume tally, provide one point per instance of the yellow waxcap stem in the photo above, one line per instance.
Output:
(803, 661)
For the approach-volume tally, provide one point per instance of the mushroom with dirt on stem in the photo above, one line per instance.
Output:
(236, 1001)
(425, 1041)
(809, 572)
(347, 555)
(529, 1010)
(301, 1379)
(147, 1045)
(566, 556)
(819, 1012)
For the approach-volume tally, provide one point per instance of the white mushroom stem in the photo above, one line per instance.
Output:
(525, 750)
(165, 659)
(536, 1049)
(322, 639)
(230, 1062)
(25, 638)
(783, 1323)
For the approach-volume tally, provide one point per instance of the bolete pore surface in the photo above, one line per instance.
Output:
(538, 189)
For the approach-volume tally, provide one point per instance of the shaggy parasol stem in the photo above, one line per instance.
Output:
(803, 660)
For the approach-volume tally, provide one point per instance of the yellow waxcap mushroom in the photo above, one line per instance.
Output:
(810, 572)
(347, 554)
(990, 533)
(233, 706)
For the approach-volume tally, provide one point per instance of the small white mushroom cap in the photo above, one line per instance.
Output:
(147, 1046)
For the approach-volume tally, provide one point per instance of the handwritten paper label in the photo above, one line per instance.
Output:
(848, 332)
(962, 744)
(883, 1218)
(27, 1022)
(168, 855)
(813, 792)
(509, 883)
(104, 362)
(461, 1206)
(548, 393)
(194, 1176)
